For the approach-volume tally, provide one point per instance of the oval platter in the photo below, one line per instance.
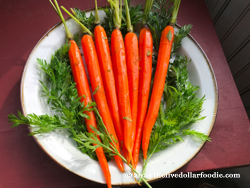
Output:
(63, 149)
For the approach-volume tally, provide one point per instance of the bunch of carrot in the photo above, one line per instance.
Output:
(121, 80)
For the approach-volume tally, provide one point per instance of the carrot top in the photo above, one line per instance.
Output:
(116, 7)
(129, 25)
(84, 29)
(58, 11)
(97, 19)
(175, 11)
(147, 9)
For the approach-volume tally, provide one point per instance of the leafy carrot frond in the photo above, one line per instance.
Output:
(158, 18)
(135, 17)
(108, 142)
(135, 13)
(182, 33)
(82, 17)
(84, 28)
(116, 9)
(58, 88)
(108, 23)
(179, 109)
(44, 123)
(146, 11)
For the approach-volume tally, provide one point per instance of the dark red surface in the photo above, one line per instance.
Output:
(23, 164)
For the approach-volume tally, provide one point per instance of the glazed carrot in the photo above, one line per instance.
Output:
(96, 82)
(82, 86)
(132, 59)
(80, 78)
(145, 63)
(167, 38)
(92, 62)
(103, 52)
(121, 76)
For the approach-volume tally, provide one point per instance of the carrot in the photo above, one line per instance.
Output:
(121, 76)
(145, 63)
(80, 78)
(92, 62)
(132, 58)
(103, 52)
(167, 38)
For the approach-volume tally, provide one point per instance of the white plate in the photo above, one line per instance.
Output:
(63, 149)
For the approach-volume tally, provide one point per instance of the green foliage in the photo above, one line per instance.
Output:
(108, 23)
(197, 134)
(182, 33)
(96, 89)
(76, 38)
(88, 22)
(127, 118)
(158, 18)
(135, 16)
(61, 94)
(108, 142)
(45, 123)
(180, 108)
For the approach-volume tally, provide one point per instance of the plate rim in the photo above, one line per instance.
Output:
(132, 183)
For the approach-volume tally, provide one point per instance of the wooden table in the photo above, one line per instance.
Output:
(23, 164)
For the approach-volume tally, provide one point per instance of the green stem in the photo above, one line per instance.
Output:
(97, 19)
(54, 7)
(58, 11)
(146, 163)
(175, 11)
(117, 16)
(85, 29)
(115, 150)
(98, 114)
(147, 8)
(73, 11)
(129, 26)
(73, 131)
(120, 10)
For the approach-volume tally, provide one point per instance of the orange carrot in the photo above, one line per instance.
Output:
(80, 78)
(103, 52)
(145, 63)
(92, 62)
(132, 58)
(167, 38)
(121, 77)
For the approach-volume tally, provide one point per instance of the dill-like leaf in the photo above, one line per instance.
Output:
(158, 18)
(87, 21)
(127, 118)
(96, 89)
(108, 24)
(76, 38)
(180, 108)
(197, 134)
(182, 33)
(61, 94)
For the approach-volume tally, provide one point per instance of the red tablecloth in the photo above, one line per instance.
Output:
(23, 164)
